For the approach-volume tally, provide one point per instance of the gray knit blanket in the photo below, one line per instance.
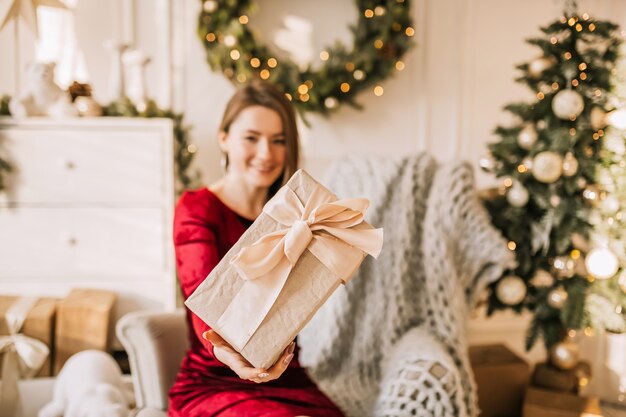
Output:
(439, 254)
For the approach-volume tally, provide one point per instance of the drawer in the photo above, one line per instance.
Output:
(87, 165)
(82, 243)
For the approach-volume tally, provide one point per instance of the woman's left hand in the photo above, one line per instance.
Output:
(226, 354)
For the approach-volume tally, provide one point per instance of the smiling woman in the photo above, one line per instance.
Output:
(259, 141)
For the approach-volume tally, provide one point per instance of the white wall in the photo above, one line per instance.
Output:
(447, 101)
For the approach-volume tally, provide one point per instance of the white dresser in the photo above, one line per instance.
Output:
(90, 204)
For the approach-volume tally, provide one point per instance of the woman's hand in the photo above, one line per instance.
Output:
(233, 359)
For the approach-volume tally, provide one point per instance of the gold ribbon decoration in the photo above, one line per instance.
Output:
(323, 225)
(23, 356)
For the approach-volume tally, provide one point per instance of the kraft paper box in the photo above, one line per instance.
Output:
(501, 379)
(83, 320)
(547, 403)
(39, 324)
(307, 287)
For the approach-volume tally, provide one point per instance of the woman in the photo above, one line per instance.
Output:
(259, 142)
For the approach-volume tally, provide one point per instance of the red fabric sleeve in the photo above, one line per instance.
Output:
(196, 250)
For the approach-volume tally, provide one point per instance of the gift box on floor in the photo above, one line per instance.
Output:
(270, 284)
(38, 324)
(501, 379)
(547, 403)
(548, 376)
(82, 322)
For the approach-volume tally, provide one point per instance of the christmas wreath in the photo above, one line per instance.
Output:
(382, 35)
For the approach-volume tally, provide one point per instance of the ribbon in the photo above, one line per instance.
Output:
(23, 356)
(323, 225)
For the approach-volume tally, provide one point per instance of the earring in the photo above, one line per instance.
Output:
(224, 162)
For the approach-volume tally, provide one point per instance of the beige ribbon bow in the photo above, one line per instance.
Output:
(324, 226)
(23, 356)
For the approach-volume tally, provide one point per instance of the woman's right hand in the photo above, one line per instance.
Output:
(225, 353)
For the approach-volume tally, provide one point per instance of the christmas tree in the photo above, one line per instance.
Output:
(552, 205)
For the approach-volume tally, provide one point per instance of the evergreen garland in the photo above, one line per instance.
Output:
(382, 35)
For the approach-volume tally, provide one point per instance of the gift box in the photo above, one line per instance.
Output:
(501, 379)
(548, 376)
(546, 403)
(304, 245)
(38, 324)
(82, 322)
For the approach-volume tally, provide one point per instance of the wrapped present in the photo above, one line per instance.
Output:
(548, 376)
(26, 334)
(501, 379)
(546, 403)
(83, 322)
(304, 245)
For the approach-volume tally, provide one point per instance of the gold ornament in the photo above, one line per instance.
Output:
(570, 165)
(511, 290)
(527, 137)
(564, 355)
(622, 282)
(542, 279)
(568, 104)
(602, 263)
(598, 118)
(517, 195)
(591, 193)
(557, 297)
(547, 167)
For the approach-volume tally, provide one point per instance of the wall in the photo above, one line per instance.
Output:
(447, 101)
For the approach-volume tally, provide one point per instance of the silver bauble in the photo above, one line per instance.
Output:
(517, 195)
(547, 167)
(511, 290)
(567, 104)
(527, 137)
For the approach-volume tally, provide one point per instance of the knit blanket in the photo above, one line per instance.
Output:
(440, 252)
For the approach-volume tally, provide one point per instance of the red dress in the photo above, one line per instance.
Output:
(204, 230)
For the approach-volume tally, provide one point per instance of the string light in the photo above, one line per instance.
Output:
(358, 75)
(553, 40)
(575, 83)
(234, 54)
(241, 78)
(230, 40)
(508, 182)
(191, 148)
(582, 66)
(272, 62)
(350, 66)
(309, 83)
(378, 44)
(567, 55)
(243, 19)
(345, 87)
(409, 31)
(511, 245)
(210, 37)
(540, 95)
(399, 65)
(522, 169)
(583, 76)
(369, 13)
(571, 21)
(255, 62)
(379, 10)
(572, 131)
(555, 86)
(592, 27)
(585, 16)
(598, 92)
(579, 27)
(378, 91)
(304, 98)
(303, 89)
(330, 102)
(264, 74)
(289, 97)
(324, 55)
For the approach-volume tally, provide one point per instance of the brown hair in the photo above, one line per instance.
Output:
(262, 93)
